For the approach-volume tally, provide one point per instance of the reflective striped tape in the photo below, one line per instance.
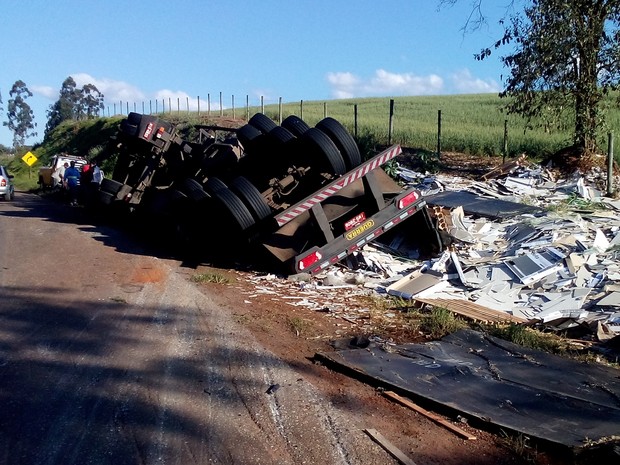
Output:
(338, 184)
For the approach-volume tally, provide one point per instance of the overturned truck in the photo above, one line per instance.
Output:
(289, 195)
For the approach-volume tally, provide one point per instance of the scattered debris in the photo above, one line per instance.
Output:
(436, 418)
(389, 447)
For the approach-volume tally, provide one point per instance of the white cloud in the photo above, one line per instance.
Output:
(112, 90)
(464, 83)
(348, 85)
(45, 91)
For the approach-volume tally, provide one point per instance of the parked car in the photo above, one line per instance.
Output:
(51, 176)
(7, 188)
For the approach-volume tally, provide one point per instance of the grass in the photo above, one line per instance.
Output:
(440, 322)
(216, 278)
(299, 326)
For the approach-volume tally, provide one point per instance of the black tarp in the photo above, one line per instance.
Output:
(540, 395)
(481, 206)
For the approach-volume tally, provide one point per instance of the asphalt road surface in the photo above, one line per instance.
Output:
(109, 355)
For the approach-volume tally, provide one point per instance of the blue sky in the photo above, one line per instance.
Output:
(136, 51)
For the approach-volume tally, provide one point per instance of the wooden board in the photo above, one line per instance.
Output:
(472, 310)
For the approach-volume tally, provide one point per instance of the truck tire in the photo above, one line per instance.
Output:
(106, 198)
(238, 211)
(280, 135)
(343, 140)
(193, 189)
(215, 184)
(262, 122)
(110, 186)
(322, 152)
(246, 135)
(251, 197)
(295, 125)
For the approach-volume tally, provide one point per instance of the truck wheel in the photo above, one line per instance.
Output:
(280, 135)
(106, 198)
(193, 189)
(343, 140)
(322, 152)
(295, 125)
(262, 122)
(215, 184)
(246, 135)
(240, 214)
(251, 197)
(111, 186)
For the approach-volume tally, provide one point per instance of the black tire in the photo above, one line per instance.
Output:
(343, 140)
(295, 125)
(233, 204)
(322, 153)
(280, 135)
(214, 185)
(262, 122)
(247, 136)
(111, 186)
(193, 189)
(106, 198)
(251, 197)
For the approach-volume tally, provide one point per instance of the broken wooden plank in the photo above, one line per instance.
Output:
(436, 418)
(472, 310)
(389, 447)
(505, 168)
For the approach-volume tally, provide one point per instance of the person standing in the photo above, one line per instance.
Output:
(95, 181)
(72, 182)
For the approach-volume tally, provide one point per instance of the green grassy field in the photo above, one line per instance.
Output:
(472, 123)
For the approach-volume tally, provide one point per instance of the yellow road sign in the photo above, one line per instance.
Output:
(29, 159)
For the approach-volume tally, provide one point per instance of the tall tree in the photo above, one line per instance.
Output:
(565, 59)
(65, 107)
(20, 117)
(91, 101)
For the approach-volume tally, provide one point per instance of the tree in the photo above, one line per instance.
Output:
(564, 62)
(64, 108)
(91, 101)
(74, 104)
(20, 117)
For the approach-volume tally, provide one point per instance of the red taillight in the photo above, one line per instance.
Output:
(160, 132)
(408, 199)
(309, 259)
(3, 182)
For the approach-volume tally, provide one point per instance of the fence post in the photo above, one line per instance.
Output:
(301, 109)
(142, 106)
(324, 109)
(198, 101)
(391, 124)
(438, 133)
(232, 100)
(505, 147)
(279, 110)
(221, 106)
(355, 120)
(208, 104)
(262, 104)
(115, 109)
(247, 107)
(187, 103)
(170, 105)
(610, 163)
(150, 107)
(178, 105)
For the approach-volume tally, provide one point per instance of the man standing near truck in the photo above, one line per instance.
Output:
(72, 182)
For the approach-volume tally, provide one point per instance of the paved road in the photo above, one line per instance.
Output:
(111, 356)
